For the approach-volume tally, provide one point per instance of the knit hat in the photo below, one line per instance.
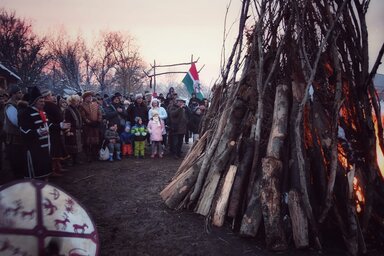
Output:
(86, 94)
(155, 100)
(139, 95)
(180, 99)
(137, 119)
(34, 95)
(155, 113)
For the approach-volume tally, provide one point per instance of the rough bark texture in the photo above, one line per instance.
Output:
(307, 63)
(270, 200)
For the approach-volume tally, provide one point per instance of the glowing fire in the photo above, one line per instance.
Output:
(342, 156)
(359, 194)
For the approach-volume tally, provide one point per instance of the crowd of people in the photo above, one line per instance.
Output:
(41, 131)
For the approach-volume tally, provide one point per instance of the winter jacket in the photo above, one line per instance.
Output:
(137, 110)
(140, 132)
(156, 130)
(110, 135)
(178, 119)
(127, 137)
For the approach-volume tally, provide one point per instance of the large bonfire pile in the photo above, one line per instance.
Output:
(290, 147)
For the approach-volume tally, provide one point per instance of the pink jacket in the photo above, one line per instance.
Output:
(156, 130)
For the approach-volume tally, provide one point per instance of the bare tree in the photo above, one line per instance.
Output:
(21, 50)
(129, 65)
(68, 61)
(104, 62)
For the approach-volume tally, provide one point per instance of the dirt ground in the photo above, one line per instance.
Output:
(123, 200)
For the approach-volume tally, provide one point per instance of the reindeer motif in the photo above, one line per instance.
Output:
(69, 204)
(77, 228)
(55, 193)
(15, 210)
(30, 213)
(62, 222)
(48, 205)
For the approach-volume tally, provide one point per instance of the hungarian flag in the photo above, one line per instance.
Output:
(191, 81)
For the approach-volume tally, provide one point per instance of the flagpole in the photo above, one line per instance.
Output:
(154, 76)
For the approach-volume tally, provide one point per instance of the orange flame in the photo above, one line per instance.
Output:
(342, 156)
(359, 194)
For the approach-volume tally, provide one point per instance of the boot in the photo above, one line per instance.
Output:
(110, 157)
(118, 157)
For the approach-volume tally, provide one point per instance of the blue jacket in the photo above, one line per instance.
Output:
(127, 137)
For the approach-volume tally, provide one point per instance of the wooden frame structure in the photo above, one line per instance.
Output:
(154, 67)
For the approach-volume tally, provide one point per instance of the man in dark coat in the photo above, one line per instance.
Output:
(13, 141)
(115, 113)
(56, 128)
(178, 120)
(73, 136)
(138, 109)
(34, 129)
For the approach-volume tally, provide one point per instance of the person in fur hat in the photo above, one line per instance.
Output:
(92, 117)
(34, 129)
(156, 129)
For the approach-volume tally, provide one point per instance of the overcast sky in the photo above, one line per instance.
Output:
(168, 31)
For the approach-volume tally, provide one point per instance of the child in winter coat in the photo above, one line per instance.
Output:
(127, 138)
(113, 140)
(156, 129)
(140, 132)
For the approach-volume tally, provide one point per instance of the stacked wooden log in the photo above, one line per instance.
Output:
(291, 146)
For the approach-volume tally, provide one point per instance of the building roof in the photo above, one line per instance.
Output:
(9, 72)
